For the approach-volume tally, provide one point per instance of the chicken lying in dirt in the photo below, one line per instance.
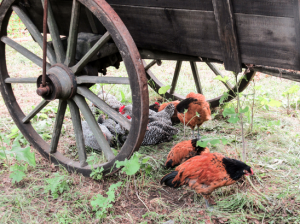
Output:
(194, 103)
(175, 103)
(183, 151)
(207, 172)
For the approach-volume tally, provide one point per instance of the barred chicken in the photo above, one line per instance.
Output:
(194, 103)
(168, 128)
(183, 151)
(174, 118)
(155, 135)
(89, 138)
(207, 172)
(164, 115)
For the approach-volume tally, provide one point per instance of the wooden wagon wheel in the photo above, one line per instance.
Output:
(155, 84)
(62, 80)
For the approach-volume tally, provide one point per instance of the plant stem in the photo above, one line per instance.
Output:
(241, 119)
(252, 107)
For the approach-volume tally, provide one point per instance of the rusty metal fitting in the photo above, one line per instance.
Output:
(43, 90)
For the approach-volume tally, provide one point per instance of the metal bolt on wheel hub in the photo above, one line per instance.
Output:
(60, 83)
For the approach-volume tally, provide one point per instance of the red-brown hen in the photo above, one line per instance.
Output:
(206, 173)
(193, 103)
(183, 151)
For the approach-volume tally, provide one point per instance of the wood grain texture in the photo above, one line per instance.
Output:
(297, 28)
(227, 35)
(263, 40)
(280, 8)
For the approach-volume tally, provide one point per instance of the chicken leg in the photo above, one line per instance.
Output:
(198, 134)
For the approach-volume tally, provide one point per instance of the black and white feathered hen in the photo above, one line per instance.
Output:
(164, 115)
(167, 128)
(155, 135)
(89, 138)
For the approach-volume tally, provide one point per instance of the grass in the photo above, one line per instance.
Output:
(272, 151)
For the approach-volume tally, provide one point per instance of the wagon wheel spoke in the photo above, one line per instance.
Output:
(87, 114)
(73, 34)
(78, 132)
(217, 72)
(101, 79)
(92, 23)
(35, 33)
(196, 76)
(21, 80)
(152, 63)
(22, 50)
(175, 77)
(91, 53)
(104, 107)
(35, 111)
(57, 43)
(58, 125)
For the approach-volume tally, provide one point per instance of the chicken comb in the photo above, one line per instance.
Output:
(121, 109)
(156, 103)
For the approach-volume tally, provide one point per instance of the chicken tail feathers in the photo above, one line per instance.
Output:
(168, 179)
(169, 164)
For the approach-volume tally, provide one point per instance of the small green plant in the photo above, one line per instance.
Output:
(163, 90)
(211, 140)
(102, 204)
(291, 91)
(57, 185)
(23, 156)
(97, 173)
(131, 166)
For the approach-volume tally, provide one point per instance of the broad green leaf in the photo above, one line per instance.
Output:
(222, 79)
(145, 160)
(224, 97)
(4, 139)
(17, 176)
(164, 89)
(246, 109)
(229, 111)
(123, 97)
(24, 154)
(130, 166)
(233, 119)
(274, 103)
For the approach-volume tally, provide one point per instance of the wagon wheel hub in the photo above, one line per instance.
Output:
(60, 83)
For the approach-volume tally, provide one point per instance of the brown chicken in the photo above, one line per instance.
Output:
(193, 103)
(206, 173)
(174, 118)
(183, 151)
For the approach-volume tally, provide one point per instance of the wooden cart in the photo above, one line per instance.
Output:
(88, 36)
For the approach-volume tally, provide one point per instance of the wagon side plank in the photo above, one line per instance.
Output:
(297, 28)
(227, 34)
(280, 8)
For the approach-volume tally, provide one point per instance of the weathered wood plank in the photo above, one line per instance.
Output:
(277, 72)
(263, 40)
(280, 8)
(268, 41)
(297, 28)
(227, 34)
